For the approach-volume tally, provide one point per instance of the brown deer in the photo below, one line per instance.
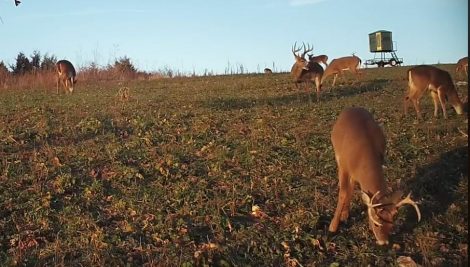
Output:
(338, 65)
(66, 75)
(462, 66)
(319, 59)
(359, 146)
(439, 83)
(268, 71)
(306, 72)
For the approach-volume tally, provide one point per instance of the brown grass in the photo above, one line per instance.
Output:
(234, 170)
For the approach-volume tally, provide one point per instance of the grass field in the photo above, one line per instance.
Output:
(171, 176)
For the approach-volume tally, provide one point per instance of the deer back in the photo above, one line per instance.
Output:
(65, 67)
(426, 75)
(359, 145)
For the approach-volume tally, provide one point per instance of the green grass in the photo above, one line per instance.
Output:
(170, 176)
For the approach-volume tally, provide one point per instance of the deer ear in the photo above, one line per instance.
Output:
(365, 198)
(395, 197)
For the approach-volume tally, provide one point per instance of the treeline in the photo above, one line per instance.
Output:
(38, 71)
(24, 65)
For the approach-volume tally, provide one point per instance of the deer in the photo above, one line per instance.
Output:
(439, 83)
(359, 147)
(319, 59)
(66, 75)
(304, 71)
(268, 71)
(462, 66)
(338, 65)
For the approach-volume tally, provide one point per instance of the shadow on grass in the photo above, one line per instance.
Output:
(299, 96)
(437, 182)
(437, 186)
(351, 90)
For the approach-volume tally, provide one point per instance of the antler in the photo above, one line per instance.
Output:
(408, 200)
(368, 201)
(309, 49)
(294, 50)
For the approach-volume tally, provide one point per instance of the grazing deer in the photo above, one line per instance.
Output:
(438, 82)
(306, 72)
(359, 146)
(267, 71)
(338, 65)
(462, 66)
(66, 75)
(319, 59)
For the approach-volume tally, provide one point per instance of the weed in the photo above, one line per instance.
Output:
(220, 170)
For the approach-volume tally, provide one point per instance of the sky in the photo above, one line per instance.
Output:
(214, 35)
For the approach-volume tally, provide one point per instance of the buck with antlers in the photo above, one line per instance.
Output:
(440, 85)
(462, 66)
(319, 59)
(304, 71)
(338, 65)
(359, 146)
(66, 75)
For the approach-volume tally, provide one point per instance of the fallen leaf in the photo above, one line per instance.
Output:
(56, 162)
(404, 261)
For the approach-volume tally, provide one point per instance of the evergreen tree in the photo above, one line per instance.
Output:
(22, 65)
(36, 60)
(3, 68)
(48, 62)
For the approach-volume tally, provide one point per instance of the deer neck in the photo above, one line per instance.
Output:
(371, 179)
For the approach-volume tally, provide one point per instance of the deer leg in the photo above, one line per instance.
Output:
(342, 197)
(71, 85)
(406, 103)
(358, 74)
(442, 98)
(318, 86)
(58, 79)
(334, 79)
(435, 100)
(347, 201)
(66, 85)
(416, 105)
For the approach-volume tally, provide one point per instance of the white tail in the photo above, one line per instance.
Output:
(338, 65)
(359, 146)
(66, 75)
(440, 85)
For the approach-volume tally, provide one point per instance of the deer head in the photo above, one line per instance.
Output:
(300, 60)
(382, 214)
